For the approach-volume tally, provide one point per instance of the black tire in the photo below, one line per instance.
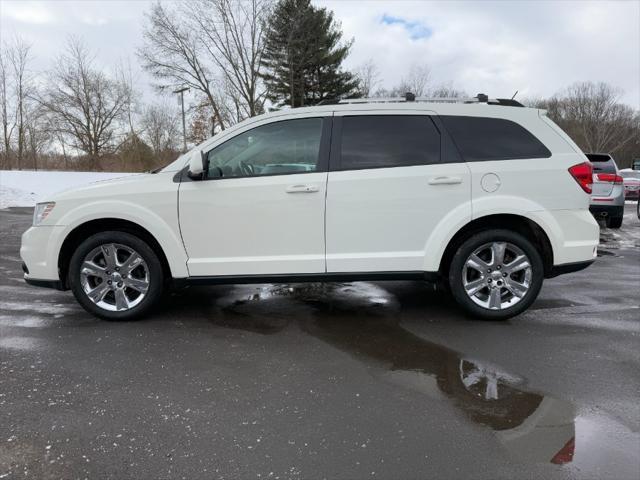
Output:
(468, 247)
(155, 275)
(614, 222)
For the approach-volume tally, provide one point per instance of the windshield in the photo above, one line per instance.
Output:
(176, 165)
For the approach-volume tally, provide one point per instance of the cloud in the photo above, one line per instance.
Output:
(36, 13)
(498, 47)
(415, 29)
(93, 20)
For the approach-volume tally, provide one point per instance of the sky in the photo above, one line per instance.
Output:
(536, 48)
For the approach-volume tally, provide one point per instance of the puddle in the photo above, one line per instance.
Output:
(529, 425)
(532, 427)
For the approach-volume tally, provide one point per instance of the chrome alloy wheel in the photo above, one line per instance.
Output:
(497, 275)
(114, 277)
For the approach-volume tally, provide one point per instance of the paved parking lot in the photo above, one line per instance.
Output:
(362, 380)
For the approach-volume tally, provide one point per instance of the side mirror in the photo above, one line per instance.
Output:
(197, 166)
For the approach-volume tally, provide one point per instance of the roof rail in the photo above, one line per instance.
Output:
(410, 97)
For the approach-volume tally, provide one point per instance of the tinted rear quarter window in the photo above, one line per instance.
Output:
(483, 138)
(378, 141)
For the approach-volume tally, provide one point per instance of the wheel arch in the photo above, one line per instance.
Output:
(90, 227)
(517, 223)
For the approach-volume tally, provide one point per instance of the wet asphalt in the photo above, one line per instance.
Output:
(338, 381)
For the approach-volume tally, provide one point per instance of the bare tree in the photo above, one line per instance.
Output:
(233, 37)
(18, 58)
(592, 114)
(173, 53)
(134, 148)
(38, 137)
(4, 110)
(416, 81)
(160, 129)
(132, 105)
(446, 90)
(16, 88)
(213, 47)
(86, 105)
(368, 77)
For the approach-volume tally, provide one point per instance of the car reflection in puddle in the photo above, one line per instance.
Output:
(532, 427)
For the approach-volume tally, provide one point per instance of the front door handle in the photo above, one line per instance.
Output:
(301, 189)
(445, 180)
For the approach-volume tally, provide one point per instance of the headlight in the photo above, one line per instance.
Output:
(42, 211)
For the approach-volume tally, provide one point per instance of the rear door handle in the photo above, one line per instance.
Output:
(301, 189)
(445, 180)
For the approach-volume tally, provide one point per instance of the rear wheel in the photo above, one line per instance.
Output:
(614, 222)
(496, 274)
(116, 276)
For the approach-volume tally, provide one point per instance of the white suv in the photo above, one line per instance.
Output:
(484, 195)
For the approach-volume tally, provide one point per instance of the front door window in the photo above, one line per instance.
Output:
(285, 147)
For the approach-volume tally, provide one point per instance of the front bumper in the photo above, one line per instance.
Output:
(39, 252)
(57, 284)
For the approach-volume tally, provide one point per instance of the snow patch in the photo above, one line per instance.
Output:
(45, 308)
(15, 197)
(24, 188)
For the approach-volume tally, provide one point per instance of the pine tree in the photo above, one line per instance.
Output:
(303, 55)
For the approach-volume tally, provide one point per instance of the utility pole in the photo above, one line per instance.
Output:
(184, 127)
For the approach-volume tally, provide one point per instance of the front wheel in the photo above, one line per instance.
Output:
(496, 274)
(116, 276)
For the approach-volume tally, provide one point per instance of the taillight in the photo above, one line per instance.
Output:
(583, 174)
(610, 177)
(565, 455)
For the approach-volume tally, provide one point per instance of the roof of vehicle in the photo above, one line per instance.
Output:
(431, 106)
(476, 106)
(439, 108)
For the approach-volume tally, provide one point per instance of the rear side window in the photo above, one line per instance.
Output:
(483, 138)
(602, 163)
(378, 141)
